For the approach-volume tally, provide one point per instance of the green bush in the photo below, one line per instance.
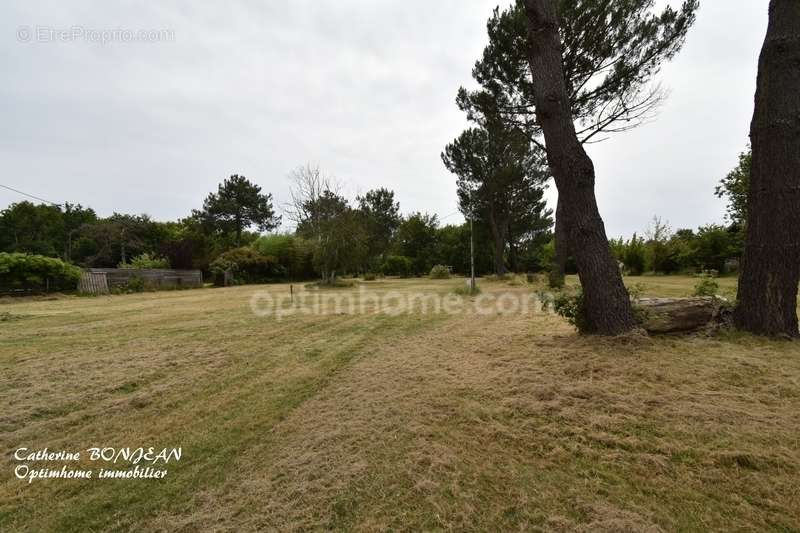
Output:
(369, 276)
(36, 272)
(706, 284)
(294, 254)
(146, 261)
(247, 266)
(636, 290)
(466, 290)
(545, 298)
(397, 265)
(440, 272)
(135, 284)
(634, 256)
(570, 306)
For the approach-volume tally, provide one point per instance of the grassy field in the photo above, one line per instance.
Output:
(406, 421)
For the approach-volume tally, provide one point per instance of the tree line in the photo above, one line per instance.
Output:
(332, 236)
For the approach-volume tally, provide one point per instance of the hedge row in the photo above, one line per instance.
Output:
(20, 271)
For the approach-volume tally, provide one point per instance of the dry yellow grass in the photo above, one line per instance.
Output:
(409, 422)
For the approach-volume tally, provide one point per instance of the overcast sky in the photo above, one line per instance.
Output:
(364, 89)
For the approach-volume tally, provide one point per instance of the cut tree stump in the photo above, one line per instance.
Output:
(680, 315)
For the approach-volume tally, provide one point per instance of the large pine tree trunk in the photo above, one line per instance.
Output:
(499, 236)
(499, 264)
(771, 266)
(608, 307)
(513, 253)
(559, 267)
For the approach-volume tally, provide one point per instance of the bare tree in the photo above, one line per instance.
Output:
(309, 184)
(325, 217)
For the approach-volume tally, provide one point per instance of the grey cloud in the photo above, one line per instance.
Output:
(366, 89)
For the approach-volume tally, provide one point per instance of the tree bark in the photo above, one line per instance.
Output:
(513, 255)
(682, 315)
(559, 267)
(238, 223)
(608, 307)
(771, 264)
(499, 237)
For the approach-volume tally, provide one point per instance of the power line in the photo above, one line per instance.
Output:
(450, 215)
(29, 195)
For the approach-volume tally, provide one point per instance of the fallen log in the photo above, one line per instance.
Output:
(681, 315)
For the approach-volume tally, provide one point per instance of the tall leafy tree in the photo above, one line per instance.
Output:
(453, 248)
(238, 205)
(75, 217)
(734, 187)
(325, 218)
(767, 299)
(528, 228)
(337, 233)
(417, 239)
(31, 228)
(381, 214)
(113, 240)
(500, 180)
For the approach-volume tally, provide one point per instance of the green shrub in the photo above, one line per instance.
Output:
(706, 284)
(440, 272)
(281, 247)
(369, 276)
(466, 290)
(545, 298)
(636, 290)
(147, 261)
(634, 256)
(397, 265)
(294, 254)
(570, 306)
(220, 266)
(247, 266)
(36, 272)
(516, 281)
(135, 284)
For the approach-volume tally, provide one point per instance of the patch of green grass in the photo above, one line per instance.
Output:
(466, 290)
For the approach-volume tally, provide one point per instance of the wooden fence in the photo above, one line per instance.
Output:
(93, 283)
(103, 280)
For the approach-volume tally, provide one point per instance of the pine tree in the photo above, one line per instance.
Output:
(612, 51)
(767, 299)
(237, 205)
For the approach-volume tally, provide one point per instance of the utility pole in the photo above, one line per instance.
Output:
(69, 245)
(122, 245)
(471, 256)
